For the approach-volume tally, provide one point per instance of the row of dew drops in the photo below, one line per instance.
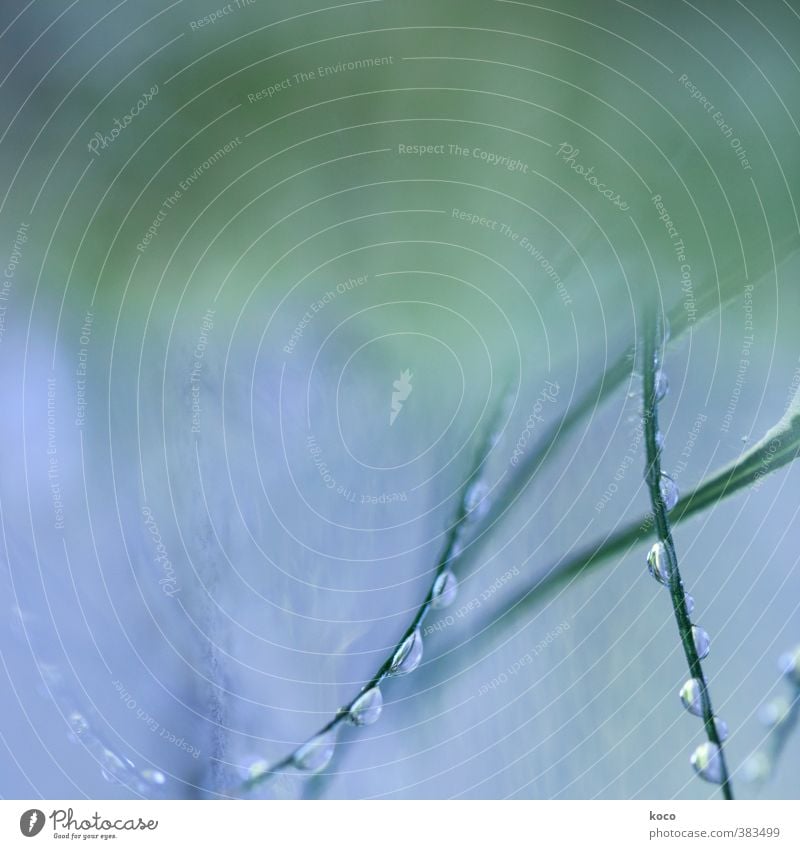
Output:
(315, 754)
(705, 759)
(114, 767)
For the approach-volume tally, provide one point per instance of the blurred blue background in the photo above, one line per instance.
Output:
(228, 231)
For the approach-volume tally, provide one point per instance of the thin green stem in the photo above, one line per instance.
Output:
(450, 553)
(653, 478)
(779, 446)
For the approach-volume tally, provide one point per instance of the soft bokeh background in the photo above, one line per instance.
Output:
(279, 592)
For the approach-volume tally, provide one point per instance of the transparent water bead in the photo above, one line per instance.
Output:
(316, 753)
(78, 723)
(775, 712)
(689, 604)
(702, 642)
(722, 729)
(455, 550)
(659, 437)
(253, 768)
(658, 563)
(445, 588)
(112, 766)
(476, 503)
(153, 776)
(367, 707)
(789, 664)
(758, 767)
(669, 491)
(408, 656)
(692, 696)
(707, 762)
(661, 385)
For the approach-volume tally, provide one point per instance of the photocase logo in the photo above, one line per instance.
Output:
(31, 822)
(402, 389)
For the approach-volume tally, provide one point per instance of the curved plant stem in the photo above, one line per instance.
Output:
(450, 553)
(664, 533)
(779, 446)
(708, 301)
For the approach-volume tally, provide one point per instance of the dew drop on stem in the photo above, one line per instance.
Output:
(476, 502)
(658, 563)
(692, 696)
(669, 491)
(707, 762)
(316, 753)
(367, 708)
(702, 642)
(445, 588)
(408, 655)
(661, 386)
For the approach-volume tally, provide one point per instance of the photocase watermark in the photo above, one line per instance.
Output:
(473, 604)
(688, 446)
(719, 119)
(318, 305)
(569, 156)
(402, 390)
(169, 202)
(53, 470)
(152, 723)
(687, 287)
(526, 659)
(744, 360)
(95, 826)
(10, 271)
(630, 458)
(206, 326)
(488, 157)
(219, 14)
(169, 582)
(350, 495)
(766, 462)
(101, 141)
(506, 230)
(318, 73)
(80, 371)
(548, 395)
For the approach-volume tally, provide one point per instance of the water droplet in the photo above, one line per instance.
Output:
(661, 385)
(455, 550)
(367, 707)
(789, 664)
(153, 776)
(707, 762)
(702, 642)
(78, 723)
(659, 437)
(689, 604)
(476, 503)
(658, 563)
(775, 712)
(722, 729)
(253, 767)
(669, 491)
(692, 696)
(408, 656)
(445, 588)
(758, 767)
(316, 753)
(112, 766)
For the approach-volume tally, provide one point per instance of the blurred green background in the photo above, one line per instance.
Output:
(442, 173)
